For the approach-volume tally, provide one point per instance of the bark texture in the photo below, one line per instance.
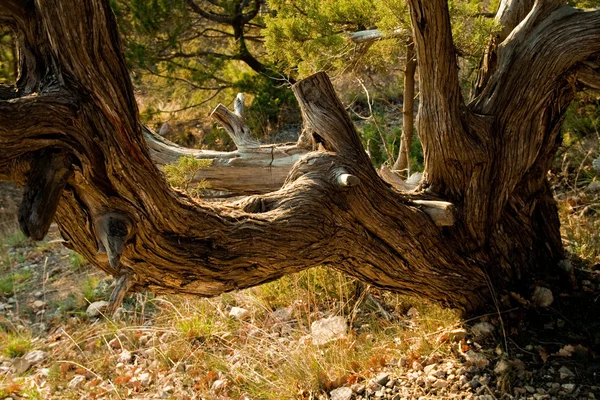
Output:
(483, 221)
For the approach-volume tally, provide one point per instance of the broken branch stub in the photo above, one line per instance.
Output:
(49, 173)
(325, 116)
(347, 180)
(235, 127)
(441, 212)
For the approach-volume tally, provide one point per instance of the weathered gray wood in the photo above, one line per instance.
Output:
(441, 212)
(235, 127)
(259, 170)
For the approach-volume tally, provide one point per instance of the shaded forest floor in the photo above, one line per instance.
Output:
(264, 343)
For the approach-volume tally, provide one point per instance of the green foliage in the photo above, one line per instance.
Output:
(272, 104)
(582, 117)
(585, 3)
(15, 344)
(307, 36)
(8, 70)
(181, 174)
(11, 282)
(90, 290)
(77, 260)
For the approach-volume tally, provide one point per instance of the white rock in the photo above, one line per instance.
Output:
(440, 383)
(125, 356)
(219, 386)
(342, 393)
(568, 387)
(483, 329)
(145, 379)
(412, 313)
(36, 356)
(96, 308)
(565, 372)
(429, 368)
(328, 329)
(542, 297)
(20, 365)
(502, 367)
(77, 382)
(39, 304)
(382, 378)
(476, 359)
(417, 366)
(239, 313)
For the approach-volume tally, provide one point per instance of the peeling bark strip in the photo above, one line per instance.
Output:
(486, 216)
(50, 171)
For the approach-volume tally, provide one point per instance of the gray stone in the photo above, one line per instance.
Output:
(502, 367)
(593, 187)
(382, 378)
(145, 379)
(476, 359)
(565, 372)
(39, 304)
(239, 313)
(483, 329)
(358, 388)
(568, 387)
(20, 365)
(327, 329)
(542, 297)
(342, 393)
(440, 384)
(77, 382)
(96, 308)
(36, 356)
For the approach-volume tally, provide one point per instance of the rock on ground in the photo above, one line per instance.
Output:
(96, 308)
(343, 393)
(328, 329)
(239, 313)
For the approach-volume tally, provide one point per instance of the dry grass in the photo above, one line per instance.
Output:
(188, 344)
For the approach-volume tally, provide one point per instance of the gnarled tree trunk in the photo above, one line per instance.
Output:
(483, 221)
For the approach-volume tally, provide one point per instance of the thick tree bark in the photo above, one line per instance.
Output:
(484, 222)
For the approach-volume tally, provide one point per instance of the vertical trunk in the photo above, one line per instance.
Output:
(408, 104)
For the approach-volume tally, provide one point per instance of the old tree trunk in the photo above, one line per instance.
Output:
(483, 221)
